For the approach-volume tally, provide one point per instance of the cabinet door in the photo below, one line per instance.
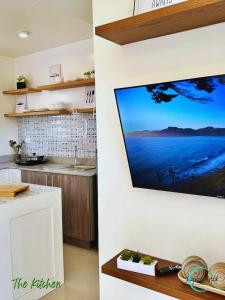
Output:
(34, 177)
(78, 206)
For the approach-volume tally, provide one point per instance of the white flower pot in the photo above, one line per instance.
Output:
(137, 267)
(86, 76)
(92, 76)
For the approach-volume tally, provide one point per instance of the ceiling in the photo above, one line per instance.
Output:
(52, 23)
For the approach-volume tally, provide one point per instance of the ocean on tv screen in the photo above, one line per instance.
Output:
(174, 133)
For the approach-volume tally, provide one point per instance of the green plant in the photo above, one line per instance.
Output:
(136, 257)
(147, 260)
(88, 73)
(22, 78)
(93, 72)
(126, 255)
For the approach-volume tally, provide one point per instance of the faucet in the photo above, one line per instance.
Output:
(75, 155)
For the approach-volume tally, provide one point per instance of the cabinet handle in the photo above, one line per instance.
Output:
(52, 180)
(46, 180)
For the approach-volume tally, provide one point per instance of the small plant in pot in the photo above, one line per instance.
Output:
(136, 257)
(147, 260)
(21, 82)
(87, 75)
(126, 255)
(92, 74)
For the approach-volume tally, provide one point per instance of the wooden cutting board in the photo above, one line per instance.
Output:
(12, 190)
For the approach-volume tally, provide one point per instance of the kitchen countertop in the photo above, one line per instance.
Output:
(34, 190)
(50, 168)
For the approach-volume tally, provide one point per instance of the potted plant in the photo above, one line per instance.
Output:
(136, 262)
(21, 82)
(87, 75)
(147, 260)
(136, 257)
(92, 74)
(126, 255)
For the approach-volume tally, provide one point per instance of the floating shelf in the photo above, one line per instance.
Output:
(68, 85)
(53, 87)
(172, 19)
(167, 284)
(22, 91)
(50, 112)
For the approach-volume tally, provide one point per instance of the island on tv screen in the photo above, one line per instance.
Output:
(174, 134)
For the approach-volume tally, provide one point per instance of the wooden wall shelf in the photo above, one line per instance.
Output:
(50, 112)
(22, 91)
(172, 19)
(168, 284)
(68, 85)
(53, 87)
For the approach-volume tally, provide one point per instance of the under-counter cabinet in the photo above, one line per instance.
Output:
(34, 177)
(79, 204)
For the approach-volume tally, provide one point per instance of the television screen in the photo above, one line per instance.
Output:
(174, 134)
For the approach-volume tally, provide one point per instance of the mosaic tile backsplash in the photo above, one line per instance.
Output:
(59, 136)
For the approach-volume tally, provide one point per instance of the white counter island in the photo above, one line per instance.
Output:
(31, 247)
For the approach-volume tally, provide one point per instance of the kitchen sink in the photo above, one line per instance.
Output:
(58, 167)
(80, 167)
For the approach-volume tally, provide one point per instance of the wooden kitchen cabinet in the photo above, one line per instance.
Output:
(34, 177)
(79, 204)
(79, 208)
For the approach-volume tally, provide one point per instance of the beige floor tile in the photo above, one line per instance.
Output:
(81, 276)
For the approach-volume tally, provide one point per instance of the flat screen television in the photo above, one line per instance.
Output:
(174, 134)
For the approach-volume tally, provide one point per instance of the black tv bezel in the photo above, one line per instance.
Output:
(121, 126)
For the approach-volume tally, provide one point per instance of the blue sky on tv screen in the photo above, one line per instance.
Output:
(138, 111)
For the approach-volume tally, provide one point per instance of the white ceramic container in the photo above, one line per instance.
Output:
(137, 267)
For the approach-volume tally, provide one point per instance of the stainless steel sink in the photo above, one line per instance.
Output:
(80, 167)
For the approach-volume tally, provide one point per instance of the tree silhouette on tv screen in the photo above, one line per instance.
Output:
(198, 90)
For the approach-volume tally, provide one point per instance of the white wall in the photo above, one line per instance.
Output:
(8, 127)
(168, 225)
(75, 58)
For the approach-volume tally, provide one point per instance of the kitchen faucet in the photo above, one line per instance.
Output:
(75, 155)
